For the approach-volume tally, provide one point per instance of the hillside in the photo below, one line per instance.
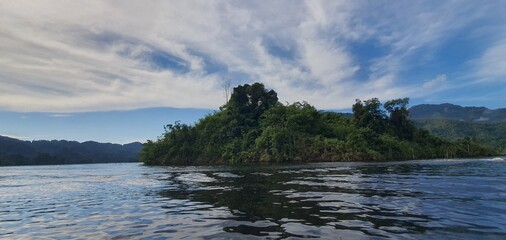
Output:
(493, 135)
(486, 126)
(458, 113)
(17, 152)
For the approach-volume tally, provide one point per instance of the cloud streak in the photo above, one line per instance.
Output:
(436, 82)
(74, 56)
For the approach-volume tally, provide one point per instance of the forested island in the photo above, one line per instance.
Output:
(253, 126)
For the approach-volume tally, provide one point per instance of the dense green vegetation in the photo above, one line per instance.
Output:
(17, 152)
(254, 127)
(492, 135)
(453, 122)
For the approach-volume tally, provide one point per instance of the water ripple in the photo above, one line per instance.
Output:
(462, 199)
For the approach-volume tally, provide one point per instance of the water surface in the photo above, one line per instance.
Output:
(450, 199)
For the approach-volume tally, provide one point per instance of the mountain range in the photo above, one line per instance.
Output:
(449, 111)
(17, 152)
(486, 126)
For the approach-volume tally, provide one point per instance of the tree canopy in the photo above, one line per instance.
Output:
(254, 127)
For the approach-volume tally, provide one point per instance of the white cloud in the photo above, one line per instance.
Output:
(436, 82)
(71, 56)
(60, 115)
(491, 66)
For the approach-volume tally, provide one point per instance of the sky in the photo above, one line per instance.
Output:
(117, 71)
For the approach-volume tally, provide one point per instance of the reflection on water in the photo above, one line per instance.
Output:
(423, 199)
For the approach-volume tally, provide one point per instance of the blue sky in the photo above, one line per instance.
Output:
(111, 126)
(118, 71)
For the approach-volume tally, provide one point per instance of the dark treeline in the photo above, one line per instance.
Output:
(254, 127)
(17, 152)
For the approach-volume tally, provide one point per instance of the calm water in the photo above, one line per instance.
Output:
(421, 200)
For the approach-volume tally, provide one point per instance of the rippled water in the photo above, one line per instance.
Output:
(436, 199)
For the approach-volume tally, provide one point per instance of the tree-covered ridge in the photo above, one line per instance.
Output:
(458, 113)
(491, 135)
(42, 152)
(254, 127)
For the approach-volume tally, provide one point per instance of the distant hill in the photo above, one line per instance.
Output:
(458, 113)
(493, 135)
(487, 126)
(18, 152)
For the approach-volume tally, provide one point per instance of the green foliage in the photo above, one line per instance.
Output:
(490, 135)
(254, 127)
(249, 102)
(369, 115)
(400, 124)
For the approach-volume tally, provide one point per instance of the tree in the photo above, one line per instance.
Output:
(369, 115)
(226, 83)
(399, 118)
(251, 101)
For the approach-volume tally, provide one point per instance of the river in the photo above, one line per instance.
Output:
(433, 199)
